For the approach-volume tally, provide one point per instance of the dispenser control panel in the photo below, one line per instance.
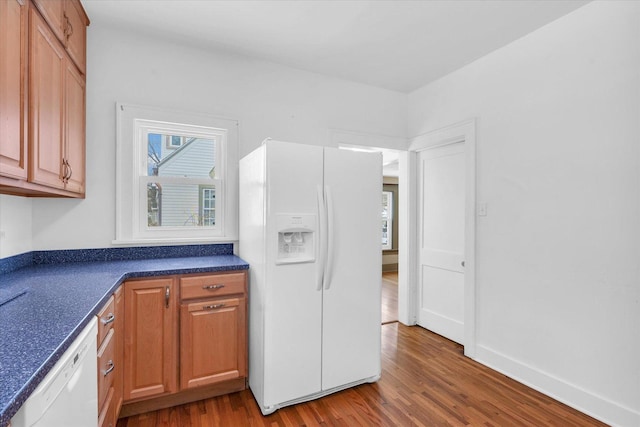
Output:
(296, 238)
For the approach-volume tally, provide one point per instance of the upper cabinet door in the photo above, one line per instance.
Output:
(53, 13)
(76, 33)
(46, 100)
(74, 130)
(13, 89)
(68, 21)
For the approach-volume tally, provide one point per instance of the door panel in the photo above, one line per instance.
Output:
(46, 94)
(351, 298)
(74, 128)
(13, 80)
(211, 342)
(442, 215)
(150, 349)
(292, 302)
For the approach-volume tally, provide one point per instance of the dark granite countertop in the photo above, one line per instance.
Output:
(44, 307)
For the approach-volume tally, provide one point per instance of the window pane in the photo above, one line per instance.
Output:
(175, 155)
(180, 205)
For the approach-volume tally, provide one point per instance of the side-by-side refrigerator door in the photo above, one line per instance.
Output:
(293, 303)
(352, 288)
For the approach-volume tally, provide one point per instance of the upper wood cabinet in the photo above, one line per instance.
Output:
(42, 149)
(53, 12)
(57, 125)
(74, 130)
(76, 36)
(13, 88)
(68, 21)
(46, 99)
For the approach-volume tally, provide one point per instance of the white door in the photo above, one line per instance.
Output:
(351, 295)
(441, 241)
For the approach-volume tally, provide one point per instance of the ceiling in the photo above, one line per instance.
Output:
(397, 45)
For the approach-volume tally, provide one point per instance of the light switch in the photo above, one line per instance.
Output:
(482, 209)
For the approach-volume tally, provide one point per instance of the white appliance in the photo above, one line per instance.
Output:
(310, 228)
(68, 395)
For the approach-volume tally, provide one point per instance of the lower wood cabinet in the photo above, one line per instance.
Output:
(110, 357)
(212, 334)
(185, 339)
(150, 341)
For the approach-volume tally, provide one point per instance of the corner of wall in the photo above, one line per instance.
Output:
(15, 225)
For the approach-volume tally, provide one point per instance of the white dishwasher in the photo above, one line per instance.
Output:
(68, 395)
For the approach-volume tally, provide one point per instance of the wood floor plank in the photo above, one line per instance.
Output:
(426, 381)
(389, 307)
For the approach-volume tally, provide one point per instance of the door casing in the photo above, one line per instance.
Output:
(408, 292)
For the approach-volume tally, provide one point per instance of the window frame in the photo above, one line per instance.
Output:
(134, 124)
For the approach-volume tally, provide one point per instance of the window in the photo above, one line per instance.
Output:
(208, 206)
(173, 141)
(173, 177)
(387, 220)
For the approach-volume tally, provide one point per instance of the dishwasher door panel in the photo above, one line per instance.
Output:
(68, 395)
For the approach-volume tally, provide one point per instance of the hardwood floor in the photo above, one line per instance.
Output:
(426, 381)
(389, 297)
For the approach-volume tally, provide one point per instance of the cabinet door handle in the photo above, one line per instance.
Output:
(68, 28)
(110, 367)
(213, 307)
(109, 319)
(167, 291)
(66, 176)
(65, 170)
(213, 287)
(70, 171)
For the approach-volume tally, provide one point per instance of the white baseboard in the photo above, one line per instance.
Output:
(576, 397)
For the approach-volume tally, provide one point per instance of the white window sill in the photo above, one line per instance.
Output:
(181, 241)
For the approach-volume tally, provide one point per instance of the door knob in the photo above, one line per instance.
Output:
(462, 263)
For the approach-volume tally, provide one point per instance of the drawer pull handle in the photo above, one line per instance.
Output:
(110, 367)
(213, 307)
(109, 319)
(213, 287)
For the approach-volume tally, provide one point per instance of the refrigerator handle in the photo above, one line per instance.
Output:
(322, 221)
(330, 239)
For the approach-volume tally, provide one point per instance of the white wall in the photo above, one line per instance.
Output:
(558, 163)
(268, 100)
(15, 225)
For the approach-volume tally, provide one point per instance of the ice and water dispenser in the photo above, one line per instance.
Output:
(296, 238)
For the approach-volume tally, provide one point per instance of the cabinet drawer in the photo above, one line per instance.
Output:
(107, 415)
(106, 319)
(106, 366)
(212, 285)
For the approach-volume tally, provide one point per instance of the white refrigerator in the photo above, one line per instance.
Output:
(310, 228)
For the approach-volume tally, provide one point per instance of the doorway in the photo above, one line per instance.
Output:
(440, 269)
(389, 297)
(441, 194)
(391, 216)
